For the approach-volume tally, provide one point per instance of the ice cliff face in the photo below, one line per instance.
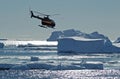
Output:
(80, 45)
(84, 45)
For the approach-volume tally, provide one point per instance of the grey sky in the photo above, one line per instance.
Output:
(84, 15)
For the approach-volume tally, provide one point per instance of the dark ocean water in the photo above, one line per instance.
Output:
(60, 74)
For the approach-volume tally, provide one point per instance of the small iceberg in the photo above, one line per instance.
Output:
(34, 59)
(1, 45)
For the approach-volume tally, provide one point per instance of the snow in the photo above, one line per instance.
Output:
(29, 45)
(116, 44)
(82, 39)
(76, 33)
(66, 33)
(33, 42)
(118, 40)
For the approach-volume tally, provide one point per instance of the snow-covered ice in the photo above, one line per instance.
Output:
(118, 40)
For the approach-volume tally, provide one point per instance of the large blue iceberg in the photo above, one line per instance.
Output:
(76, 41)
(84, 45)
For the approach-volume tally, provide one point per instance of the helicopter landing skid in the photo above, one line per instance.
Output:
(46, 26)
(42, 26)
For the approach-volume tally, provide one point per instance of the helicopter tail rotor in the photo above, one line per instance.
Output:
(31, 14)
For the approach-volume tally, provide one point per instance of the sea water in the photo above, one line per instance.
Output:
(47, 55)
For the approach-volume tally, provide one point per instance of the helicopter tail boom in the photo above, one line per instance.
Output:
(32, 15)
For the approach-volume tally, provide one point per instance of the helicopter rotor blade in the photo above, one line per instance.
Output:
(41, 13)
(54, 14)
(45, 14)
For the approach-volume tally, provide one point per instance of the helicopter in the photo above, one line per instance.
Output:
(45, 20)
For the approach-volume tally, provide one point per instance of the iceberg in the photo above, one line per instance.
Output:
(34, 58)
(54, 36)
(76, 41)
(76, 33)
(78, 44)
(66, 33)
(1, 45)
(84, 45)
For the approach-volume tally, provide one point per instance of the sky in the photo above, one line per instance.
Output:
(84, 15)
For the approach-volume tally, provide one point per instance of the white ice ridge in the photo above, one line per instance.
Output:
(33, 42)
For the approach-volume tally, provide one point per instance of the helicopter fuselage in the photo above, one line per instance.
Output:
(46, 21)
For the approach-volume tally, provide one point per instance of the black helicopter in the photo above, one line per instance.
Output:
(45, 21)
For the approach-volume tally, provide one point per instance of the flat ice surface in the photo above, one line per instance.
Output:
(81, 39)
(34, 42)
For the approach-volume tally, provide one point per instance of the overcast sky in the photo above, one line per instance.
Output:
(84, 15)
